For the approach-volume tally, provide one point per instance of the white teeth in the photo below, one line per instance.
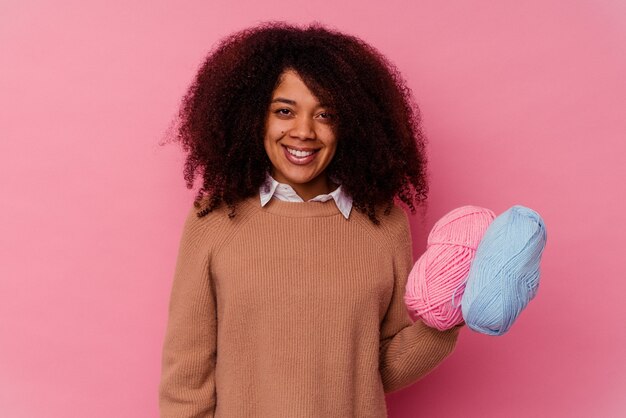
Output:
(299, 154)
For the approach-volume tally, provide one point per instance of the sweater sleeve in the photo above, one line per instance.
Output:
(408, 350)
(187, 386)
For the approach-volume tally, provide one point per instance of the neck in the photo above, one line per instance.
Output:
(320, 185)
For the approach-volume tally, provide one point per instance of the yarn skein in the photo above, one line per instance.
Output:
(451, 247)
(504, 275)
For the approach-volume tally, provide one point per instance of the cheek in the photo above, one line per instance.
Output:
(332, 147)
(270, 134)
(274, 129)
(267, 144)
(331, 155)
(266, 141)
(272, 149)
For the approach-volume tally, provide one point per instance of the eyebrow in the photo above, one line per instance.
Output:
(283, 100)
(291, 102)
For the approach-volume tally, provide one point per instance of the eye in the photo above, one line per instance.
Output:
(282, 111)
(327, 116)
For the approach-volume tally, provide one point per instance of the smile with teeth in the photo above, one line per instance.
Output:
(300, 157)
(300, 154)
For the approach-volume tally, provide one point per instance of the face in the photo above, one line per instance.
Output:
(299, 137)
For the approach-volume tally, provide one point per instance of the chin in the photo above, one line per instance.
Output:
(300, 180)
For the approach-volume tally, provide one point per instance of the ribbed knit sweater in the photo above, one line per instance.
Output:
(291, 310)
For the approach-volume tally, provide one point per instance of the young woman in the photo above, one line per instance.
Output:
(287, 299)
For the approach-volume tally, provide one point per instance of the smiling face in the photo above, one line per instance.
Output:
(299, 137)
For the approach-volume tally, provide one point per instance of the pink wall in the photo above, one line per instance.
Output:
(524, 103)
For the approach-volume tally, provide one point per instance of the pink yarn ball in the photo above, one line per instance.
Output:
(439, 275)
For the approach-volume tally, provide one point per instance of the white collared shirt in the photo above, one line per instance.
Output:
(272, 188)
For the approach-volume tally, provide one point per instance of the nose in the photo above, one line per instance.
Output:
(303, 128)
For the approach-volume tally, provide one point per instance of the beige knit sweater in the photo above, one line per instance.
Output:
(291, 310)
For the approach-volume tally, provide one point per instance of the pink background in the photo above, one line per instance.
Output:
(524, 102)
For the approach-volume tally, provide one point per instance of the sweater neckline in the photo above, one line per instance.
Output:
(288, 209)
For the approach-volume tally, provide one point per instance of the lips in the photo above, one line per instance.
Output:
(300, 160)
(301, 148)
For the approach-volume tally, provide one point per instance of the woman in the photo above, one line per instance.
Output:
(287, 299)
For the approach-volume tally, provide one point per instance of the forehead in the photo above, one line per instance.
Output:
(292, 87)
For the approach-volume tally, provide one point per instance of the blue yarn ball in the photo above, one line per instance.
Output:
(504, 275)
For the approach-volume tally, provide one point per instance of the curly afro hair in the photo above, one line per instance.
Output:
(380, 145)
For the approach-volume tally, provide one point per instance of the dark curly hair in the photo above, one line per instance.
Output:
(380, 145)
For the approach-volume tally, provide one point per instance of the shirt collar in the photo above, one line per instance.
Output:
(271, 188)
